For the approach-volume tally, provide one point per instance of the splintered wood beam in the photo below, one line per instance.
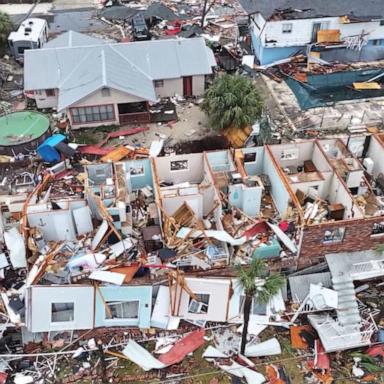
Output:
(106, 306)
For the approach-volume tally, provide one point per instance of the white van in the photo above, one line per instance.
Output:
(32, 34)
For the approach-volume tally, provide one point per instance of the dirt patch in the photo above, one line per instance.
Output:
(210, 143)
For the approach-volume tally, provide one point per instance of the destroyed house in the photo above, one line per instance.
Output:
(342, 30)
(112, 84)
(213, 202)
(339, 210)
(102, 250)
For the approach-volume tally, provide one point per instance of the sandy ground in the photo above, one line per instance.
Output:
(192, 125)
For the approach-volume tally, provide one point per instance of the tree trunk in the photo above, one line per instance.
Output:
(246, 312)
(204, 13)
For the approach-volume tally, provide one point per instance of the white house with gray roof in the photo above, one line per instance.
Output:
(103, 84)
(335, 30)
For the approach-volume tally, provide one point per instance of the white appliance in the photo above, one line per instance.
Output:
(368, 165)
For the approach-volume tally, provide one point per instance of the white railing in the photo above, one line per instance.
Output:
(367, 269)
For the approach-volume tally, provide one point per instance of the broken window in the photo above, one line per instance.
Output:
(179, 165)
(200, 305)
(105, 92)
(61, 312)
(92, 114)
(159, 83)
(137, 170)
(290, 154)
(22, 49)
(50, 92)
(334, 236)
(249, 157)
(256, 307)
(378, 228)
(287, 28)
(122, 310)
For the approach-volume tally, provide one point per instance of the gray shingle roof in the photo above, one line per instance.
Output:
(73, 39)
(127, 67)
(317, 8)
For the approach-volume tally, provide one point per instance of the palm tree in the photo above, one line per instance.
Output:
(232, 101)
(5, 27)
(259, 285)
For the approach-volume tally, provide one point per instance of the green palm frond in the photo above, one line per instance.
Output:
(5, 27)
(232, 100)
(255, 280)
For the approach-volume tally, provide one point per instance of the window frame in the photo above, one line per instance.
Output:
(105, 92)
(179, 161)
(79, 114)
(121, 303)
(334, 241)
(50, 92)
(159, 83)
(284, 28)
(137, 174)
(290, 154)
(255, 304)
(202, 303)
(70, 303)
(378, 234)
(251, 161)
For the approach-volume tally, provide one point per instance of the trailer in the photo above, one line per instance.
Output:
(32, 34)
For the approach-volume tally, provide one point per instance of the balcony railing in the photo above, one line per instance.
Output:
(134, 118)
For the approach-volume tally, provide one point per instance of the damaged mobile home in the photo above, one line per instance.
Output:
(344, 31)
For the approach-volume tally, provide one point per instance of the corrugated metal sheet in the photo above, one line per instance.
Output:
(127, 67)
(73, 39)
(300, 284)
(370, 9)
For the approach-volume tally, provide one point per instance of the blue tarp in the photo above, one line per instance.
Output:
(47, 150)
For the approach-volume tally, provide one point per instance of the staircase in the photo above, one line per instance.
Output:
(348, 310)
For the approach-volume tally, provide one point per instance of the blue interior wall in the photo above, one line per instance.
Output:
(256, 45)
(140, 181)
(254, 168)
(219, 161)
(278, 191)
(246, 199)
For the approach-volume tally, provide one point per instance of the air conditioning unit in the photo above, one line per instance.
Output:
(368, 164)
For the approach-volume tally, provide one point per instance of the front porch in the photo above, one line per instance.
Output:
(134, 113)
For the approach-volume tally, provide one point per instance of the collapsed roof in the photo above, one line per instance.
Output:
(303, 9)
